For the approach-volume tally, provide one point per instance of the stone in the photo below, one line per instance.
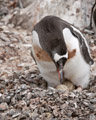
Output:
(93, 100)
(11, 112)
(48, 115)
(24, 86)
(92, 117)
(34, 114)
(15, 115)
(72, 95)
(8, 99)
(22, 117)
(3, 106)
(29, 95)
(1, 99)
(21, 104)
(86, 103)
(91, 95)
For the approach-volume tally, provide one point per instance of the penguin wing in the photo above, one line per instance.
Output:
(83, 46)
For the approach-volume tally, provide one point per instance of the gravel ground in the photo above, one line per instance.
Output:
(23, 92)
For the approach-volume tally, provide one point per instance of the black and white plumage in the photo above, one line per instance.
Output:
(61, 51)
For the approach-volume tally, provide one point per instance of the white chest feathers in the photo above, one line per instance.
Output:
(75, 69)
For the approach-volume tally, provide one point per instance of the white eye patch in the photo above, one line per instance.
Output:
(58, 57)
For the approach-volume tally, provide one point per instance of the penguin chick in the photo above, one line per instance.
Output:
(61, 52)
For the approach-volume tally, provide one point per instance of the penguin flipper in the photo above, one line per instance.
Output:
(83, 47)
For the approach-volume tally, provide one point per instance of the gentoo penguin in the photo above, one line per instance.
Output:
(61, 52)
(93, 18)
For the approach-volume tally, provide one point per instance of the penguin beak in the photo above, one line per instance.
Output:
(61, 75)
(60, 69)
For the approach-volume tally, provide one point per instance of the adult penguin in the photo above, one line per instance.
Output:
(61, 52)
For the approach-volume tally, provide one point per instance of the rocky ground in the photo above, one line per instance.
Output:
(23, 92)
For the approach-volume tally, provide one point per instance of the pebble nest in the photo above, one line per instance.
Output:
(21, 100)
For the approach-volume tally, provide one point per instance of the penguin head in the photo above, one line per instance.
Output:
(59, 58)
(60, 65)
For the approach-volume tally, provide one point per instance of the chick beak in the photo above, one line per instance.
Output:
(61, 75)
